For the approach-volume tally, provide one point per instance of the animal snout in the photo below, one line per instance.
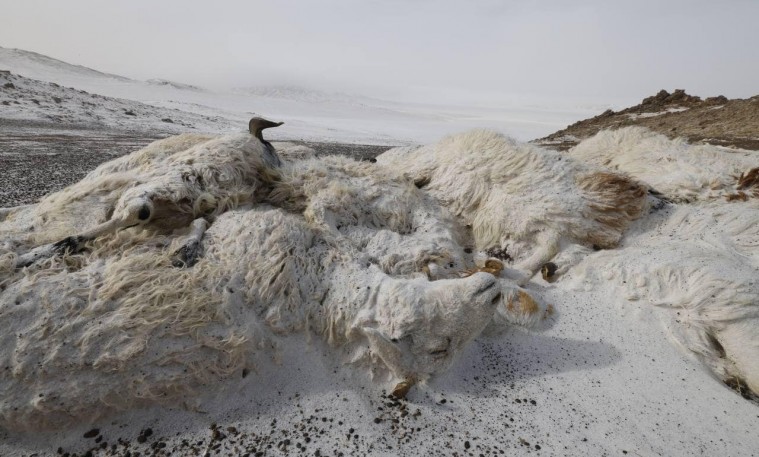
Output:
(485, 286)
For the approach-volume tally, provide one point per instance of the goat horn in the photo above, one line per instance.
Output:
(258, 123)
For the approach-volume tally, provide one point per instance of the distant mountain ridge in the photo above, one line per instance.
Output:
(41, 67)
(310, 114)
(28, 63)
(174, 84)
(299, 93)
(27, 99)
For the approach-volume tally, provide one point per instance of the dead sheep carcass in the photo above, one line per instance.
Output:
(697, 261)
(164, 186)
(704, 287)
(182, 263)
(523, 202)
(678, 171)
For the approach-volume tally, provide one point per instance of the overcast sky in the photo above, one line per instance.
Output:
(591, 49)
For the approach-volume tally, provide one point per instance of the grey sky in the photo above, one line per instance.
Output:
(592, 49)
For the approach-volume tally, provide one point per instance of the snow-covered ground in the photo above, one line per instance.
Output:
(634, 116)
(311, 115)
(26, 99)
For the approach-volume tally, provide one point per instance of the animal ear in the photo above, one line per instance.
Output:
(389, 352)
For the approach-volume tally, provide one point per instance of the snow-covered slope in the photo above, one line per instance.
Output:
(45, 68)
(310, 114)
(173, 84)
(23, 98)
(302, 94)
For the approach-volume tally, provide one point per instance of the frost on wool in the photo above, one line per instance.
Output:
(680, 171)
(329, 246)
(520, 198)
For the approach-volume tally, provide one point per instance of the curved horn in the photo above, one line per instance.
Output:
(257, 124)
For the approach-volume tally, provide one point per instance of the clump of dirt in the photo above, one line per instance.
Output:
(713, 120)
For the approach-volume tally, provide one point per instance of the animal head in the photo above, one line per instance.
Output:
(258, 124)
(518, 307)
(419, 326)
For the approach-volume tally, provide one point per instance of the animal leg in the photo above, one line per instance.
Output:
(188, 254)
(139, 211)
(5, 212)
(566, 259)
(548, 247)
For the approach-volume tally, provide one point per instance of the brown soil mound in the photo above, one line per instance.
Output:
(714, 120)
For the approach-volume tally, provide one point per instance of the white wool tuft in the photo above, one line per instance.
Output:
(521, 198)
(682, 172)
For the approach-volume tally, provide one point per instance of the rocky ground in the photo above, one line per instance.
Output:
(714, 120)
(37, 157)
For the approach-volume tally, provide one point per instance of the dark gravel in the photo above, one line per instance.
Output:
(37, 158)
(357, 151)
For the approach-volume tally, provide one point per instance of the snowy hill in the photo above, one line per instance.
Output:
(42, 67)
(303, 94)
(173, 84)
(308, 114)
(23, 98)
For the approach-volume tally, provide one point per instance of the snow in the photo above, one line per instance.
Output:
(676, 109)
(34, 100)
(310, 115)
(609, 377)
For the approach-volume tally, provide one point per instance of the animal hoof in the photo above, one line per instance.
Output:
(402, 388)
(186, 256)
(548, 271)
(69, 245)
(492, 266)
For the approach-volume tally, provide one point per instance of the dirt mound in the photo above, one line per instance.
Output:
(714, 120)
